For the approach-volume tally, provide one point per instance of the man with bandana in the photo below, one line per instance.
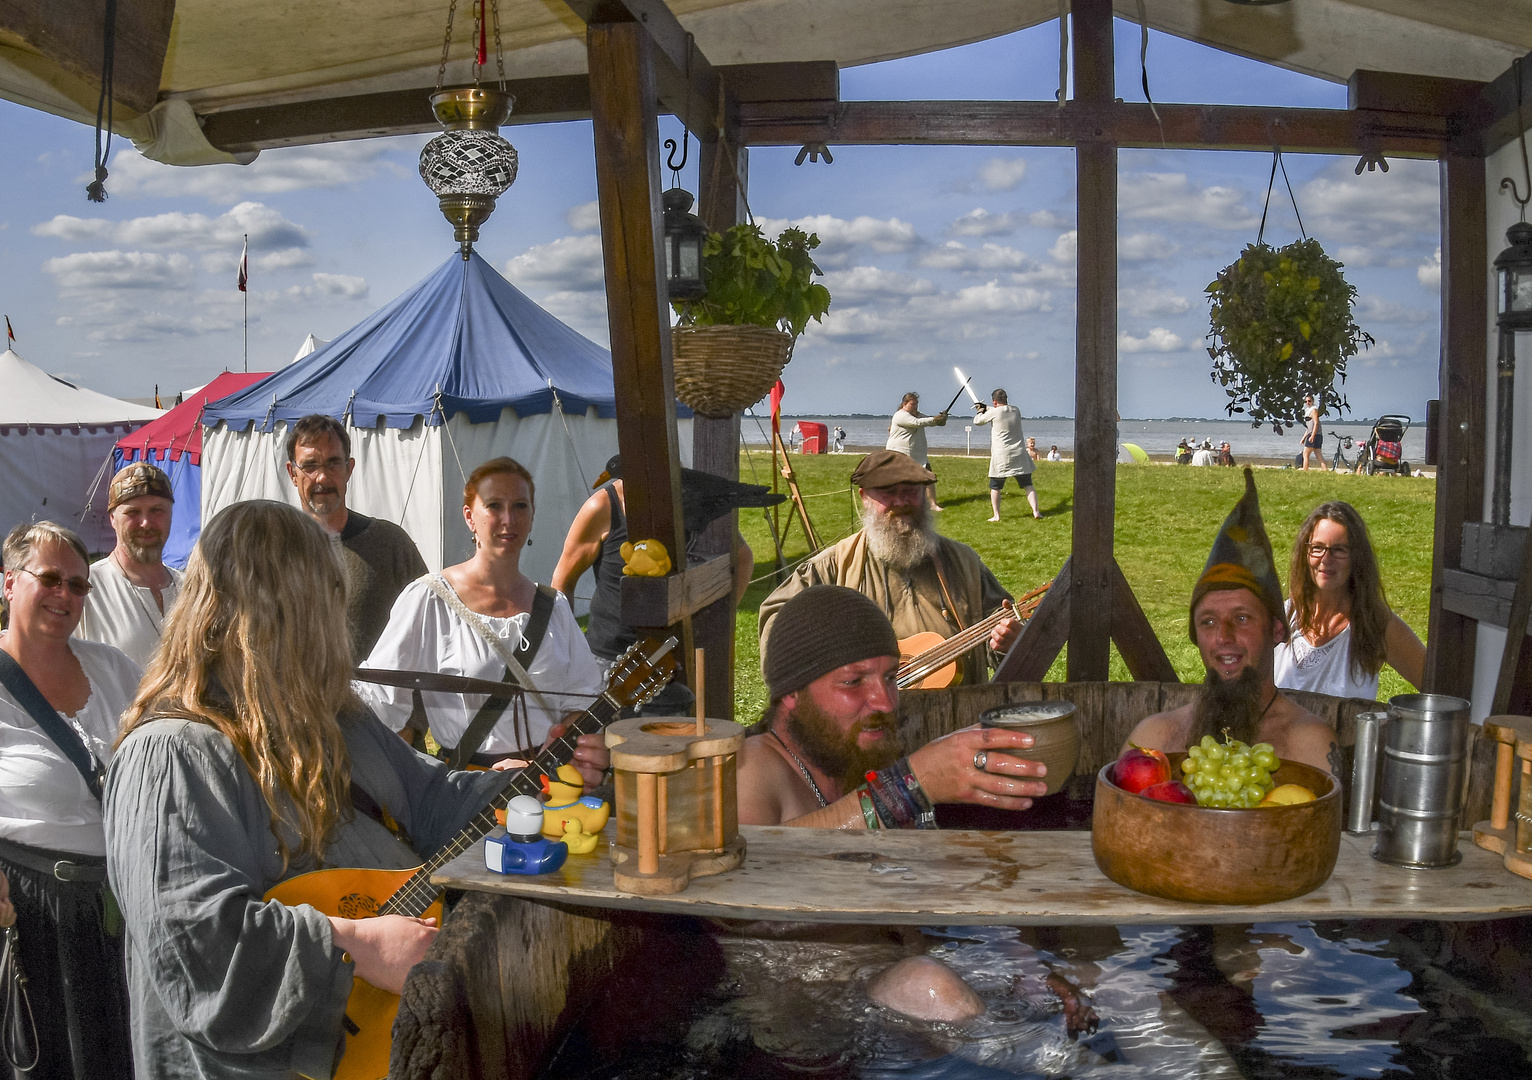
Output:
(1236, 620)
(920, 580)
(132, 590)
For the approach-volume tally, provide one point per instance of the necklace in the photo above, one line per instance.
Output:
(802, 768)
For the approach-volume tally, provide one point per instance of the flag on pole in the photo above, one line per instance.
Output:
(10, 335)
(244, 265)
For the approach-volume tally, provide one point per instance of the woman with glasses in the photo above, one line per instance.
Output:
(60, 699)
(1342, 629)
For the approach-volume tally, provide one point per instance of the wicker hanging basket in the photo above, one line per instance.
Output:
(722, 370)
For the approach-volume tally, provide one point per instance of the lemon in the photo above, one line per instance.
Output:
(1288, 795)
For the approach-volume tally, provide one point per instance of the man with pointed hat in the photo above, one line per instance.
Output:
(922, 581)
(1236, 620)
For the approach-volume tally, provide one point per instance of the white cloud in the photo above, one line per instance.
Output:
(1158, 340)
(1375, 208)
(838, 236)
(966, 260)
(1066, 247)
(287, 259)
(568, 263)
(120, 270)
(267, 229)
(990, 298)
(1145, 303)
(1003, 174)
(1174, 197)
(1145, 247)
(1429, 272)
(585, 311)
(1047, 219)
(980, 222)
(1373, 308)
(584, 218)
(296, 168)
(862, 283)
(341, 286)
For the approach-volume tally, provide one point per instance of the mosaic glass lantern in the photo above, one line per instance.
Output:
(469, 165)
(684, 236)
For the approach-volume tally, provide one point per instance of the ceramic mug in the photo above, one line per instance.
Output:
(1056, 740)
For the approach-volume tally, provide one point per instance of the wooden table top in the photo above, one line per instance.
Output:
(995, 878)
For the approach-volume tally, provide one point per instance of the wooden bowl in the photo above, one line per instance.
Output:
(1206, 855)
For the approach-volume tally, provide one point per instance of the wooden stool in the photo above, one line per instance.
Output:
(1498, 834)
(676, 805)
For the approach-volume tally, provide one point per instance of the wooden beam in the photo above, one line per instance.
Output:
(1491, 120)
(1460, 438)
(1040, 640)
(1093, 568)
(628, 193)
(1133, 124)
(1135, 638)
(396, 112)
(665, 601)
(69, 33)
(686, 82)
(1394, 91)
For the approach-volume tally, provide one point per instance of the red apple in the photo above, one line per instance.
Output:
(1138, 769)
(1170, 791)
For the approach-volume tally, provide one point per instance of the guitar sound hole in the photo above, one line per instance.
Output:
(357, 906)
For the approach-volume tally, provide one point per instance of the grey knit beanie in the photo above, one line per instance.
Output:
(822, 628)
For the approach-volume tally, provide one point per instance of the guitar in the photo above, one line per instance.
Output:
(930, 662)
(360, 894)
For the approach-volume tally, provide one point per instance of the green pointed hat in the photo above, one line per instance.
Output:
(1241, 557)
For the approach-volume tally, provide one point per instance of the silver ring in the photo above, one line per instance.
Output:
(980, 760)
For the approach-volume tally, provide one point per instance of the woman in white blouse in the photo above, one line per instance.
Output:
(1341, 629)
(471, 620)
(52, 848)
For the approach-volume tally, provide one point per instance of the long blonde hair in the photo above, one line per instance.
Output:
(262, 615)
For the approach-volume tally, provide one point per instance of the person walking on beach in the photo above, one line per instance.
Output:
(1010, 452)
(1314, 437)
(907, 434)
(838, 440)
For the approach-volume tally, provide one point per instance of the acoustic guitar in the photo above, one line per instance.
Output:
(929, 661)
(359, 894)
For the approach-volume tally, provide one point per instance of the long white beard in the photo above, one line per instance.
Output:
(902, 543)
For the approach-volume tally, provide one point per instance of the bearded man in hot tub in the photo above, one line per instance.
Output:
(1236, 620)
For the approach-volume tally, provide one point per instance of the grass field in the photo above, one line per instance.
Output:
(1166, 520)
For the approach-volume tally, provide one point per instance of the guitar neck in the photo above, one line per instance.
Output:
(418, 893)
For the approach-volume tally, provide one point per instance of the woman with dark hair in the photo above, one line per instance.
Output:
(485, 619)
(1342, 629)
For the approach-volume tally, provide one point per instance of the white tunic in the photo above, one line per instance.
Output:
(124, 615)
(423, 634)
(907, 434)
(43, 798)
(1323, 669)
(1007, 444)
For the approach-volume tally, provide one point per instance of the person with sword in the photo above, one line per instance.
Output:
(1008, 454)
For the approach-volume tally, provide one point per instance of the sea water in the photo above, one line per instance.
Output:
(1278, 1000)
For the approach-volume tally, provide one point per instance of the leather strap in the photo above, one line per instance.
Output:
(489, 713)
(30, 698)
(941, 581)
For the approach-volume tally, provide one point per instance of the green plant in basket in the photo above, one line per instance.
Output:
(753, 281)
(1282, 327)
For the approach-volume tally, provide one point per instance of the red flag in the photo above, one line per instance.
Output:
(244, 265)
(776, 408)
(10, 335)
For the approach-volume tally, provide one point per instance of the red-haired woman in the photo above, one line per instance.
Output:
(485, 619)
(1342, 630)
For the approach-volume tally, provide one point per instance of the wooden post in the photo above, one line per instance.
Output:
(1460, 439)
(622, 88)
(1095, 486)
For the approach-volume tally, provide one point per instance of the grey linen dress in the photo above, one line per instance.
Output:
(223, 984)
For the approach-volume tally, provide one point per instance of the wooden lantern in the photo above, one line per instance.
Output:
(676, 805)
(1512, 839)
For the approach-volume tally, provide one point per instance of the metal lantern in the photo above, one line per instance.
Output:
(684, 236)
(1513, 269)
(1513, 273)
(469, 165)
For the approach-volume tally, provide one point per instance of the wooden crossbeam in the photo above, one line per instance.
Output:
(687, 83)
(1490, 120)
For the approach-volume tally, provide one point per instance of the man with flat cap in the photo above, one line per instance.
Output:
(1237, 618)
(828, 751)
(132, 590)
(922, 582)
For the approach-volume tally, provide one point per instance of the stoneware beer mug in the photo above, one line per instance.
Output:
(1056, 741)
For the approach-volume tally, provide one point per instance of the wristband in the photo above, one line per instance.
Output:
(869, 815)
(900, 788)
(896, 811)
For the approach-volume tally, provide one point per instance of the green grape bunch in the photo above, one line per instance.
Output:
(1229, 774)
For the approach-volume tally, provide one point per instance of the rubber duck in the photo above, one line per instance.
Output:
(576, 839)
(647, 558)
(517, 848)
(567, 802)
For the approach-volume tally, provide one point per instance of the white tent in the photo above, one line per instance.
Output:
(56, 443)
(310, 343)
(461, 368)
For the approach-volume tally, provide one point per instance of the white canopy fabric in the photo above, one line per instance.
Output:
(56, 442)
(310, 343)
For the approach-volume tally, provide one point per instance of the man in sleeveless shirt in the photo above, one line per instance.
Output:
(921, 581)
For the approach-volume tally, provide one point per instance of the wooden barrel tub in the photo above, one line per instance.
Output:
(508, 978)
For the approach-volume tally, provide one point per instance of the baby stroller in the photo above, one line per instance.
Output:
(1385, 446)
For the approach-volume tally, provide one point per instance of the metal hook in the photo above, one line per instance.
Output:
(814, 151)
(1521, 128)
(670, 158)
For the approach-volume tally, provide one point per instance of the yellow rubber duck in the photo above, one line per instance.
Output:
(647, 558)
(577, 839)
(567, 802)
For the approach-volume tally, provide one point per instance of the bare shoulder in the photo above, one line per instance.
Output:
(1165, 731)
(762, 777)
(1299, 735)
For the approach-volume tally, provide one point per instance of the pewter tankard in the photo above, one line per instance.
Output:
(1423, 770)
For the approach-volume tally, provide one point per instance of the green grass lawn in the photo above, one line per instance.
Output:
(1166, 520)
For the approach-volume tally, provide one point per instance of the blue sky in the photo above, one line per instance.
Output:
(934, 256)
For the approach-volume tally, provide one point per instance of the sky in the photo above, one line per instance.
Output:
(934, 256)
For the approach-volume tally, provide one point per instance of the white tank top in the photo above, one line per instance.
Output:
(1323, 669)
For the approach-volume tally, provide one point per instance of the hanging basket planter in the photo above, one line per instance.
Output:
(722, 370)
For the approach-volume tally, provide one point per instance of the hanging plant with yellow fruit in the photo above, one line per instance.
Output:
(1282, 327)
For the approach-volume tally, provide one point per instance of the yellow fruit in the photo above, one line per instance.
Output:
(1288, 795)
